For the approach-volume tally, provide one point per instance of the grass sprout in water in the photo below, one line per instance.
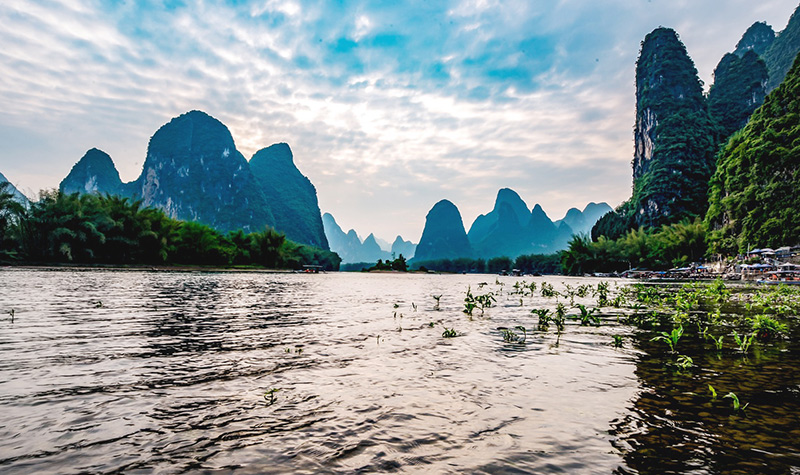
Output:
(671, 338)
(744, 341)
(269, 396)
(510, 336)
(588, 317)
(737, 407)
(449, 333)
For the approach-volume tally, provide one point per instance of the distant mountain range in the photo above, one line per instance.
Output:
(194, 172)
(352, 250)
(510, 230)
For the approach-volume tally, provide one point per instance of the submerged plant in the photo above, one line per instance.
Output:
(544, 319)
(602, 294)
(736, 404)
(670, 338)
(269, 396)
(547, 290)
(744, 341)
(509, 336)
(684, 362)
(588, 316)
(766, 328)
(436, 297)
(560, 317)
(717, 341)
(449, 333)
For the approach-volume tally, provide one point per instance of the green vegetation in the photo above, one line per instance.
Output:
(670, 338)
(753, 197)
(671, 184)
(94, 229)
(449, 333)
(676, 244)
(398, 264)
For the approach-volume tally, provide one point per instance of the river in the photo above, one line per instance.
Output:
(105, 371)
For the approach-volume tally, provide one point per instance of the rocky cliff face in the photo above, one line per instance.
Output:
(758, 38)
(780, 55)
(194, 172)
(94, 173)
(291, 196)
(674, 138)
(443, 236)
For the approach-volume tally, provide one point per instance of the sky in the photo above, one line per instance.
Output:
(388, 107)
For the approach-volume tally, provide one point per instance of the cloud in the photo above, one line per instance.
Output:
(389, 107)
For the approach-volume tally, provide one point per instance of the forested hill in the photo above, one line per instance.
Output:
(754, 197)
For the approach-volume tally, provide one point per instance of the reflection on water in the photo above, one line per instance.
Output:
(108, 371)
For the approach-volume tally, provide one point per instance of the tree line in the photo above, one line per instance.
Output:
(104, 229)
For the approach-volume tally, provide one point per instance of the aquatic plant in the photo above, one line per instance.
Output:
(11, 312)
(414, 306)
(684, 362)
(485, 300)
(766, 328)
(717, 341)
(509, 336)
(560, 317)
(396, 305)
(736, 404)
(449, 333)
(618, 340)
(588, 316)
(602, 294)
(718, 291)
(544, 319)
(547, 290)
(269, 396)
(437, 298)
(713, 392)
(670, 338)
(744, 341)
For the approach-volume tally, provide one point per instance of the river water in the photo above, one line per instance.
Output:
(140, 372)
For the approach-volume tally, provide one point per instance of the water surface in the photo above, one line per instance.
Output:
(129, 371)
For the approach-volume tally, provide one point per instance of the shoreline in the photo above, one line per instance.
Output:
(146, 268)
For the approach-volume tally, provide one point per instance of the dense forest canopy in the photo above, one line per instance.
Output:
(104, 229)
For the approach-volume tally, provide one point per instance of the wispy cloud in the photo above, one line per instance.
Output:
(387, 106)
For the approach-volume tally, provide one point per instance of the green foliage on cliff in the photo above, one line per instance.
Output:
(739, 88)
(782, 52)
(95, 229)
(754, 197)
(672, 184)
(290, 195)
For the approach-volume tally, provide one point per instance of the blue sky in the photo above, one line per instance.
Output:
(388, 107)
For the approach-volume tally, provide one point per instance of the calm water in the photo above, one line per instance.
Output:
(136, 372)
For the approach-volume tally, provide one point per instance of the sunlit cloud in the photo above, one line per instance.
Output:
(388, 108)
